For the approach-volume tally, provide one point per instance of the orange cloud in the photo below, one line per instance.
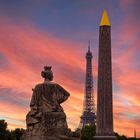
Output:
(26, 50)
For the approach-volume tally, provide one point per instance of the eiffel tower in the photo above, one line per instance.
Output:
(88, 116)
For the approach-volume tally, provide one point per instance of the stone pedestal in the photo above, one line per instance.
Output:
(67, 138)
(61, 137)
(104, 138)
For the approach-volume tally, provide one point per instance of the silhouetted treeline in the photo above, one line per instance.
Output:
(87, 133)
(6, 134)
(123, 137)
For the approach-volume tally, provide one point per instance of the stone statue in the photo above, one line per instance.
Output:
(46, 120)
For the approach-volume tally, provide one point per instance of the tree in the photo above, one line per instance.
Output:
(88, 132)
(6, 134)
(3, 130)
(9, 135)
(17, 133)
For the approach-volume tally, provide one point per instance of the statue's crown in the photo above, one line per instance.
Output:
(46, 68)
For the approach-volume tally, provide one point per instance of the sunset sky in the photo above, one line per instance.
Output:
(34, 33)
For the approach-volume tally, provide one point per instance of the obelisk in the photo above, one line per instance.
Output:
(104, 92)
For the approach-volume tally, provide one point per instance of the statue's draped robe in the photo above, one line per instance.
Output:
(46, 98)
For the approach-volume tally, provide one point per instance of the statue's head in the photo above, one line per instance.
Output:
(47, 74)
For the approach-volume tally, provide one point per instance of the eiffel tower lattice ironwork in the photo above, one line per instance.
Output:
(88, 116)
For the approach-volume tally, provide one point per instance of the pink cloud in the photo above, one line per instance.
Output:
(126, 77)
(27, 50)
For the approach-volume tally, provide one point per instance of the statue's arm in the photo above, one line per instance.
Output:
(35, 96)
(62, 94)
(32, 102)
(33, 115)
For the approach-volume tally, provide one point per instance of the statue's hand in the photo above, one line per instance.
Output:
(33, 111)
(39, 115)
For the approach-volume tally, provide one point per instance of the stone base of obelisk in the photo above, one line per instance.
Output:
(104, 138)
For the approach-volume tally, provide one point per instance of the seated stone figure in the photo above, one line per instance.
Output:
(46, 120)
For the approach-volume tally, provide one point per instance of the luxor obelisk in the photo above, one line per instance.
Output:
(104, 92)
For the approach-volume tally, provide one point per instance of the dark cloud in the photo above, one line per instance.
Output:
(3, 61)
(13, 97)
(135, 6)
